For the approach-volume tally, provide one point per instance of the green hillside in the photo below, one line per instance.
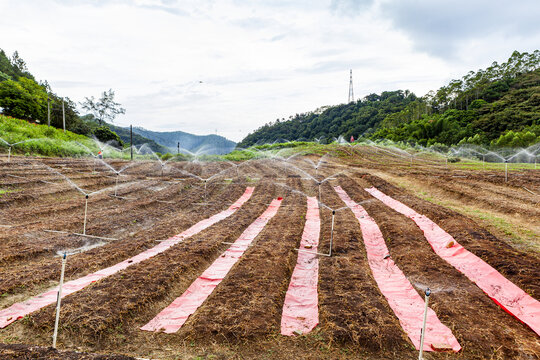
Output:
(38, 139)
(499, 105)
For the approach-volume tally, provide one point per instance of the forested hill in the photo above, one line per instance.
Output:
(498, 105)
(206, 144)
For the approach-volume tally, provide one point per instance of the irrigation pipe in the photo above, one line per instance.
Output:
(428, 292)
(79, 234)
(331, 240)
(85, 213)
(59, 300)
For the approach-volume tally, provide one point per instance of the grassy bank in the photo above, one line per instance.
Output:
(34, 139)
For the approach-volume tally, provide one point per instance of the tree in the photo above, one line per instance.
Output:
(18, 62)
(104, 109)
(23, 99)
(106, 135)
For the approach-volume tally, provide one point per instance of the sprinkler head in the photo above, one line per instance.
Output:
(64, 255)
(86, 196)
(333, 212)
(428, 292)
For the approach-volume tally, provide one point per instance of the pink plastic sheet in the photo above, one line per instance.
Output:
(19, 310)
(172, 318)
(396, 288)
(506, 294)
(300, 309)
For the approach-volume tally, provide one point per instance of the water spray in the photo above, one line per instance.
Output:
(427, 293)
(58, 301)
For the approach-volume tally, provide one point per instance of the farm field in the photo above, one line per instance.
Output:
(186, 210)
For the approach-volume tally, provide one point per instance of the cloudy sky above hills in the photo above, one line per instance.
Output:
(230, 66)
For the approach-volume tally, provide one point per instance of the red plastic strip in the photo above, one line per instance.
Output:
(502, 291)
(172, 318)
(300, 309)
(402, 297)
(19, 310)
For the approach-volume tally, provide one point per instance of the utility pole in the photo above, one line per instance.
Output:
(63, 115)
(48, 111)
(131, 140)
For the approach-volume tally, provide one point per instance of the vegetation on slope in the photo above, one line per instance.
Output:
(42, 139)
(498, 105)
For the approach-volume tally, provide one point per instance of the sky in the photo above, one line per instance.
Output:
(231, 66)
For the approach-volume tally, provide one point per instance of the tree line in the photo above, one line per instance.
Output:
(22, 97)
(482, 107)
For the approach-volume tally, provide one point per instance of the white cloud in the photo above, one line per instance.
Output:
(198, 66)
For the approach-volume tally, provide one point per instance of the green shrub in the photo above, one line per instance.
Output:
(166, 156)
(106, 135)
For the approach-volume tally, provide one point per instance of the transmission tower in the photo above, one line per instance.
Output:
(351, 93)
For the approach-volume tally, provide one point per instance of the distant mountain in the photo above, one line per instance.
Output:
(138, 140)
(206, 144)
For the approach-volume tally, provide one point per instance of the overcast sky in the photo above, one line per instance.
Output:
(232, 66)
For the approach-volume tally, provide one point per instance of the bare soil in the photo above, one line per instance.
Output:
(241, 319)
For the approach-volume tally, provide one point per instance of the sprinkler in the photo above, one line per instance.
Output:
(58, 300)
(505, 170)
(319, 183)
(9, 154)
(427, 292)
(85, 212)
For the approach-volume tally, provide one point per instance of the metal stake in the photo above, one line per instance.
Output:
(428, 292)
(9, 154)
(332, 232)
(58, 300)
(506, 171)
(116, 186)
(85, 211)
(319, 192)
